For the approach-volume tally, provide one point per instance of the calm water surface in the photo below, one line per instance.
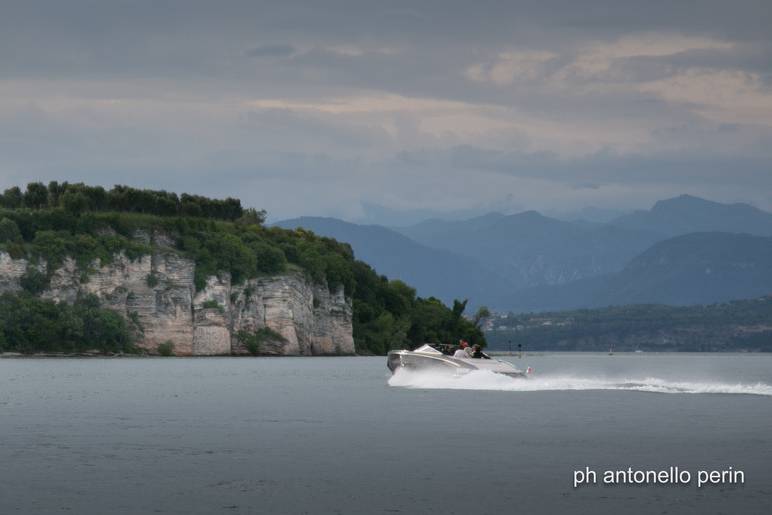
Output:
(331, 435)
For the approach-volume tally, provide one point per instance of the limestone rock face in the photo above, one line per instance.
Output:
(154, 291)
(157, 293)
(11, 271)
(212, 333)
(310, 319)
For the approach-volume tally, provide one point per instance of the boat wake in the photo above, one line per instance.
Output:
(485, 380)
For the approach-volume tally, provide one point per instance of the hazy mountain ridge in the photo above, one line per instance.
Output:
(433, 272)
(528, 261)
(530, 249)
(685, 214)
(697, 268)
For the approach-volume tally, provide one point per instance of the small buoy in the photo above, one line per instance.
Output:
(529, 370)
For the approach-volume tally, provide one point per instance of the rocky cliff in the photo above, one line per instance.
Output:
(157, 293)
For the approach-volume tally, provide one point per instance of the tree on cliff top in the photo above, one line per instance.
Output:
(78, 198)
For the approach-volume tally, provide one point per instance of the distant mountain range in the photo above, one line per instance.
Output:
(530, 249)
(685, 214)
(433, 272)
(381, 215)
(685, 250)
(696, 268)
(588, 214)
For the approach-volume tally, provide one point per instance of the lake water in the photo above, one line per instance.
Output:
(331, 435)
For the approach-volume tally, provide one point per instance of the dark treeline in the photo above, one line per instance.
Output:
(737, 325)
(77, 198)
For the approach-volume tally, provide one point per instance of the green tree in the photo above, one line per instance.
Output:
(36, 195)
(166, 348)
(55, 190)
(34, 281)
(252, 216)
(29, 324)
(12, 198)
(482, 313)
(270, 259)
(74, 202)
(234, 256)
(9, 231)
(53, 246)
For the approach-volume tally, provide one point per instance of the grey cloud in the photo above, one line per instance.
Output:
(756, 58)
(748, 57)
(277, 128)
(193, 36)
(673, 168)
(587, 186)
(271, 51)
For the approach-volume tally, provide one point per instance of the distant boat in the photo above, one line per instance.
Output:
(611, 351)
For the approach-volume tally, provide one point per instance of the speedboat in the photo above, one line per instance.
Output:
(427, 357)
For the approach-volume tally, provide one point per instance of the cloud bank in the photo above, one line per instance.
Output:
(309, 109)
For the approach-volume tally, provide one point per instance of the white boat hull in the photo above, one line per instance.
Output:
(422, 359)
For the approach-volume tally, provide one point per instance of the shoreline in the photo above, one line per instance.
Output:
(41, 355)
(18, 355)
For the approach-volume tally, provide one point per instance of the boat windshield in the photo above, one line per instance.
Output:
(427, 349)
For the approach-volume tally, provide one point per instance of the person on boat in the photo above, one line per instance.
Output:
(478, 353)
(461, 352)
(469, 350)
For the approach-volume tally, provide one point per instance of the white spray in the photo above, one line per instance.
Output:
(486, 380)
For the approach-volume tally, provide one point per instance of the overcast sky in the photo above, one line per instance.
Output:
(317, 107)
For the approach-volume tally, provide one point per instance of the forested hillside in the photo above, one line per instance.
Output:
(46, 224)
